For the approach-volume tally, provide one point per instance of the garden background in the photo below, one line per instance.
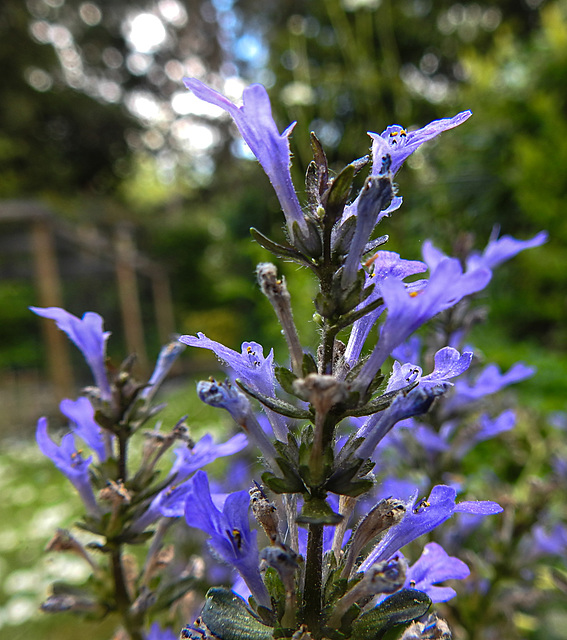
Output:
(120, 194)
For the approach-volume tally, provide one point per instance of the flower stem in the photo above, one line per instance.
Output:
(123, 454)
(312, 600)
(122, 597)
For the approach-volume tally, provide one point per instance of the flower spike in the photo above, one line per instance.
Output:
(400, 144)
(87, 334)
(256, 125)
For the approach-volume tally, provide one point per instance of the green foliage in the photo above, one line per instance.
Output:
(18, 352)
(516, 92)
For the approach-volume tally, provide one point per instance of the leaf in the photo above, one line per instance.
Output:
(275, 404)
(228, 617)
(286, 378)
(317, 511)
(308, 242)
(338, 195)
(344, 238)
(401, 607)
(276, 590)
(279, 250)
(347, 479)
(319, 156)
(290, 483)
(309, 364)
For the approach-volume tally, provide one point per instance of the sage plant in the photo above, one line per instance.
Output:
(326, 559)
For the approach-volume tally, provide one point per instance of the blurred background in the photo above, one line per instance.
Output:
(121, 193)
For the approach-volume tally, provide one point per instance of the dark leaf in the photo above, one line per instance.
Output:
(401, 607)
(228, 617)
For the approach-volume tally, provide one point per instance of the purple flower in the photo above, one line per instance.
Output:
(409, 351)
(449, 363)
(431, 441)
(81, 414)
(205, 451)
(552, 542)
(424, 516)
(492, 427)
(385, 264)
(372, 205)
(251, 366)
(409, 311)
(170, 501)
(499, 250)
(87, 334)
(229, 531)
(436, 565)
(166, 358)
(400, 144)
(70, 462)
(256, 125)
(225, 396)
(157, 633)
(489, 381)
(415, 403)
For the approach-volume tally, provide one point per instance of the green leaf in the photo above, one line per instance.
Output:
(344, 238)
(286, 378)
(348, 300)
(344, 480)
(288, 450)
(290, 483)
(309, 364)
(317, 511)
(401, 607)
(275, 404)
(338, 195)
(308, 242)
(276, 590)
(228, 617)
(319, 156)
(279, 250)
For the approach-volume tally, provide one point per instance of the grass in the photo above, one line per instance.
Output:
(38, 499)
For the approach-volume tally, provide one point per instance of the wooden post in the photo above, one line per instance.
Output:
(163, 303)
(49, 289)
(129, 295)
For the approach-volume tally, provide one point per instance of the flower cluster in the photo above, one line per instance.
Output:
(332, 563)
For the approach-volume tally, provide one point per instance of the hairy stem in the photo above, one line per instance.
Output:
(312, 599)
(122, 597)
(123, 454)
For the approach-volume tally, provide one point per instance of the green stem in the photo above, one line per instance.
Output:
(312, 597)
(122, 597)
(329, 334)
(122, 454)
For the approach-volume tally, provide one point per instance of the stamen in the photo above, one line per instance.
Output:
(421, 506)
(237, 537)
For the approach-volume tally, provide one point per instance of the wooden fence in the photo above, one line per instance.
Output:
(43, 232)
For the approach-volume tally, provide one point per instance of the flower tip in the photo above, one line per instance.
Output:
(192, 83)
(46, 312)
